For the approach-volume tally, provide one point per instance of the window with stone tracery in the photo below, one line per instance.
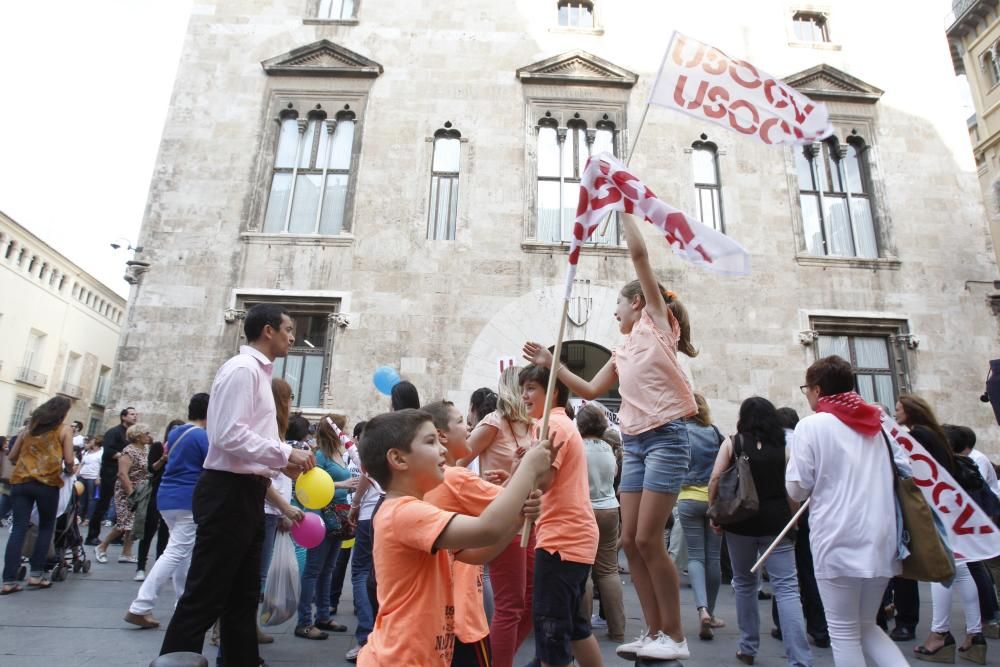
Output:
(442, 216)
(835, 194)
(562, 152)
(312, 173)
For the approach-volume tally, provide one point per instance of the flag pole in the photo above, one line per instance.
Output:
(628, 161)
(549, 393)
(781, 536)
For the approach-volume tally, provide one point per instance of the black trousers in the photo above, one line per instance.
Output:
(812, 604)
(224, 580)
(107, 495)
(906, 597)
(987, 592)
(151, 530)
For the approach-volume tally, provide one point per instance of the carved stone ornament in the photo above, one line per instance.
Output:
(233, 314)
(808, 337)
(577, 67)
(911, 341)
(322, 58)
(824, 82)
(340, 320)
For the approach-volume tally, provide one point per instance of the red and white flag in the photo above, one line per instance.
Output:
(702, 81)
(971, 533)
(607, 186)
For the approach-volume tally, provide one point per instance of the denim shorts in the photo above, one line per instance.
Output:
(656, 460)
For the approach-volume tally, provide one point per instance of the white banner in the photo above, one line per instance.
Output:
(972, 534)
(702, 81)
(607, 186)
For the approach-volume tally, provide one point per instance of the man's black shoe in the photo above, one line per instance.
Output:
(901, 634)
(92, 542)
(763, 595)
(776, 633)
(820, 640)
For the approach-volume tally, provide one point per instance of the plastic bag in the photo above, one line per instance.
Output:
(281, 592)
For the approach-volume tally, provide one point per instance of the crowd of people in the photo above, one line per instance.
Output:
(466, 534)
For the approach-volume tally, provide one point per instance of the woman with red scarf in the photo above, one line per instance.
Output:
(840, 459)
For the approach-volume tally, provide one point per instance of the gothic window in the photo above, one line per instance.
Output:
(835, 195)
(312, 173)
(707, 184)
(576, 14)
(442, 215)
(336, 10)
(991, 65)
(562, 153)
(810, 27)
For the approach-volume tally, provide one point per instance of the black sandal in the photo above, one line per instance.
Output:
(944, 653)
(310, 632)
(10, 589)
(330, 625)
(41, 583)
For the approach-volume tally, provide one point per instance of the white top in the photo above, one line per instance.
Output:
(90, 467)
(986, 470)
(283, 485)
(369, 501)
(852, 511)
(78, 440)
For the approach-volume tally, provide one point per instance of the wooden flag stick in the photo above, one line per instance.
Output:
(780, 537)
(549, 393)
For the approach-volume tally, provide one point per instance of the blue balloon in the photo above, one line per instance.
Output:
(385, 378)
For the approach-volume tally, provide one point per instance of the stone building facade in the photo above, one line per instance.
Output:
(59, 326)
(973, 30)
(402, 176)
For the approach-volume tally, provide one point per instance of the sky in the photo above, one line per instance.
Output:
(85, 89)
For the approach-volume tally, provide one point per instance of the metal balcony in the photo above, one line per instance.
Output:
(70, 390)
(32, 377)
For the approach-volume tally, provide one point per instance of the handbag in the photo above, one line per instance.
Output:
(930, 558)
(335, 516)
(736, 496)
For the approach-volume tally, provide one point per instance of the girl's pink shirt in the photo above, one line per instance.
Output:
(653, 387)
(499, 455)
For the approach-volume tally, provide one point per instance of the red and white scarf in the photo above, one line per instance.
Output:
(851, 409)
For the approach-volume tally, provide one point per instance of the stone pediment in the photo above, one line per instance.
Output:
(322, 58)
(579, 68)
(824, 82)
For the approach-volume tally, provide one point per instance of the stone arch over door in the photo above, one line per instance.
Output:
(535, 316)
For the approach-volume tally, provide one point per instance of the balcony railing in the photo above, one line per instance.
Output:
(70, 390)
(32, 377)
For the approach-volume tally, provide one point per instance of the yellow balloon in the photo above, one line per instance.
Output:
(347, 544)
(79, 488)
(314, 489)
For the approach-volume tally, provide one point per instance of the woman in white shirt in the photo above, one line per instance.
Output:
(840, 459)
(90, 470)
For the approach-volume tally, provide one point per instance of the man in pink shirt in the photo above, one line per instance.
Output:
(245, 452)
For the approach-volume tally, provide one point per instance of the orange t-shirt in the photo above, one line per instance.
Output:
(465, 493)
(567, 522)
(653, 387)
(416, 616)
(500, 453)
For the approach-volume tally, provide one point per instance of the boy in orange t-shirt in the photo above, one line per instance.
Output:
(415, 623)
(464, 491)
(565, 535)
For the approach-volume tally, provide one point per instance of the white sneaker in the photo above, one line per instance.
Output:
(664, 648)
(352, 655)
(128, 559)
(139, 576)
(630, 651)
(597, 622)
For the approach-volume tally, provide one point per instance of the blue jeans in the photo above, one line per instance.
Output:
(316, 577)
(361, 565)
(703, 545)
(743, 553)
(339, 573)
(656, 460)
(87, 499)
(23, 497)
(271, 522)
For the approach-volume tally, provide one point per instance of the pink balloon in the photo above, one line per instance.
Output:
(310, 531)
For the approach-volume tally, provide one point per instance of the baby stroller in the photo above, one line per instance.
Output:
(66, 551)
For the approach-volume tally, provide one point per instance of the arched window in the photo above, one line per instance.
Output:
(562, 154)
(311, 173)
(442, 217)
(707, 184)
(991, 65)
(576, 14)
(835, 195)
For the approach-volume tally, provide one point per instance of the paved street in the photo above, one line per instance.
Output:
(79, 622)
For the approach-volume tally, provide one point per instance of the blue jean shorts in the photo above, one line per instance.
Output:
(656, 460)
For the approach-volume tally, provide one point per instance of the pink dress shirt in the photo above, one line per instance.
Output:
(242, 423)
